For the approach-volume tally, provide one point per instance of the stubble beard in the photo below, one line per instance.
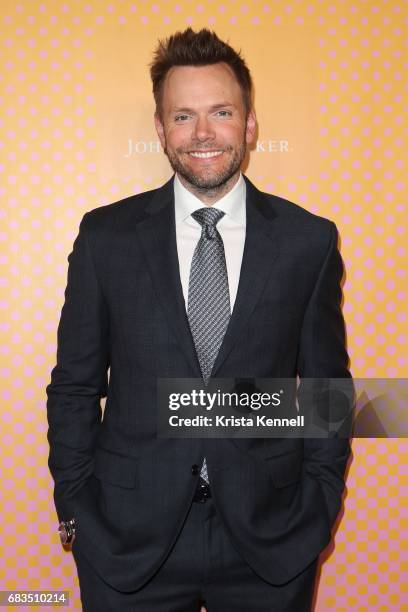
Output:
(210, 185)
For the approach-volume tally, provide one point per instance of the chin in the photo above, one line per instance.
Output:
(209, 180)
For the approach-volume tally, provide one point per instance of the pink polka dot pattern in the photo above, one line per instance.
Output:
(77, 133)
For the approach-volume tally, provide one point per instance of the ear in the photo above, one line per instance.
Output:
(160, 130)
(250, 127)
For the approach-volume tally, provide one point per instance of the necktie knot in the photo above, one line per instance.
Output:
(208, 215)
(208, 218)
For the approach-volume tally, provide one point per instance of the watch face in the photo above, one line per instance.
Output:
(63, 533)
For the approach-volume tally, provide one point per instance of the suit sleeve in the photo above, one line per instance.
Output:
(79, 378)
(322, 354)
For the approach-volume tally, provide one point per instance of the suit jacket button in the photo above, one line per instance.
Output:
(195, 469)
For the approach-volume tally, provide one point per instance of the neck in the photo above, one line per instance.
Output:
(210, 196)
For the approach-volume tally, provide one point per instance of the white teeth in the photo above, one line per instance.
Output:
(204, 155)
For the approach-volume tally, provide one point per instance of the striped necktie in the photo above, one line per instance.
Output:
(209, 309)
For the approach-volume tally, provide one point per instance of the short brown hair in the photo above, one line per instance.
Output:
(201, 48)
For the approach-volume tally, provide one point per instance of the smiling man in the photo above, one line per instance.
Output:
(204, 277)
(204, 125)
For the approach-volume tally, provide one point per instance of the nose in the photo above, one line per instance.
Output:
(203, 130)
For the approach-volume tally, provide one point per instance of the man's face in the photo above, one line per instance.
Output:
(204, 129)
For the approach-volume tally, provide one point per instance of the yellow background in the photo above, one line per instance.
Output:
(329, 96)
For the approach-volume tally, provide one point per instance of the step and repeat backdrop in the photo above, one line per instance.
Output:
(76, 132)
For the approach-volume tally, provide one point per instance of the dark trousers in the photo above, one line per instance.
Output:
(203, 568)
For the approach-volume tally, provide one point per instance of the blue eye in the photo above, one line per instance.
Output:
(181, 117)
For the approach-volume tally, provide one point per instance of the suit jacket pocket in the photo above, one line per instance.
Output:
(116, 469)
(285, 469)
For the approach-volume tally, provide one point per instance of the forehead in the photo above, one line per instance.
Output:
(193, 85)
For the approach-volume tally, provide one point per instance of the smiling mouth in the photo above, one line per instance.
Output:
(205, 154)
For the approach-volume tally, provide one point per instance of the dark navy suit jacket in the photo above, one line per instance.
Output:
(129, 490)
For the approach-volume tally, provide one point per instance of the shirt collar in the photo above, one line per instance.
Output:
(233, 203)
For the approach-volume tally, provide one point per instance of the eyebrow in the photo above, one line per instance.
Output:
(185, 109)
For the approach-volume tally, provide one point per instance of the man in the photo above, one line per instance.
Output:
(203, 276)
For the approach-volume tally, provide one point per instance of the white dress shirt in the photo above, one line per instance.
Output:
(231, 228)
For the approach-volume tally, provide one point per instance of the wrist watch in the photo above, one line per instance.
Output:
(66, 531)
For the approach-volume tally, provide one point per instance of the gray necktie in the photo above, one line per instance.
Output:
(209, 309)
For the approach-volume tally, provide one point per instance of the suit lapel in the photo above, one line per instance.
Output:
(157, 235)
(260, 251)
